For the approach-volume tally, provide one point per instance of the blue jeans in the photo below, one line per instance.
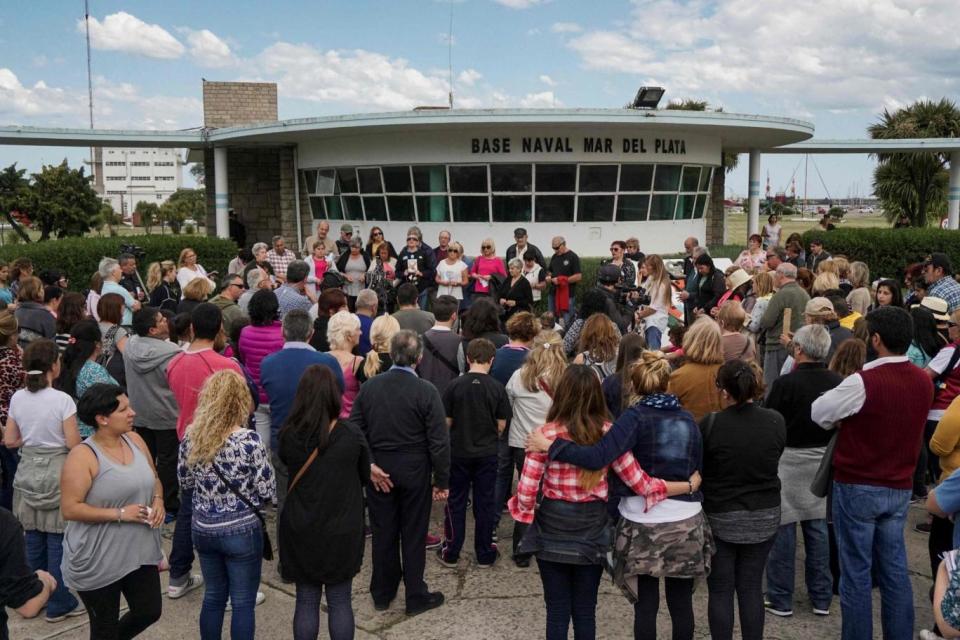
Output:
(231, 566)
(480, 476)
(869, 524)
(422, 299)
(654, 337)
(570, 591)
(781, 564)
(306, 616)
(45, 551)
(568, 316)
(181, 548)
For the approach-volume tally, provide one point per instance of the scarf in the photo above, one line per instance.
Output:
(661, 401)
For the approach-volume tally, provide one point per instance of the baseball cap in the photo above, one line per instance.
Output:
(939, 261)
(609, 274)
(346, 228)
(519, 232)
(818, 307)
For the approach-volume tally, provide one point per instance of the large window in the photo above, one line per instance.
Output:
(509, 193)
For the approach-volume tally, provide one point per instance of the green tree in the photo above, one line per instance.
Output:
(914, 184)
(149, 214)
(65, 203)
(107, 216)
(184, 204)
(15, 195)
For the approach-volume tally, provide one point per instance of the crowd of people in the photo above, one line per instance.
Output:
(351, 387)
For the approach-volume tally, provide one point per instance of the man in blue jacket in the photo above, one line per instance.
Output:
(280, 376)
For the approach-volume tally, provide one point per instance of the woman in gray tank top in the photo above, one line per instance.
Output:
(113, 504)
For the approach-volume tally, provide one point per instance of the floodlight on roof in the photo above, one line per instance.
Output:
(648, 97)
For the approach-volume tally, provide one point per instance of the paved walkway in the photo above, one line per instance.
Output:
(502, 602)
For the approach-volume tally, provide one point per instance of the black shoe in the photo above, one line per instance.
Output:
(382, 606)
(522, 561)
(431, 600)
(922, 527)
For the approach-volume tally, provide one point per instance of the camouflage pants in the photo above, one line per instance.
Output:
(680, 549)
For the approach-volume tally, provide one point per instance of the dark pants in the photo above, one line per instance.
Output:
(399, 522)
(164, 447)
(478, 474)
(9, 459)
(306, 616)
(282, 476)
(928, 464)
(570, 592)
(679, 603)
(939, 541)
(517, 455)
(181, 548)
(140, 589)
(737, 568)
(504, 472)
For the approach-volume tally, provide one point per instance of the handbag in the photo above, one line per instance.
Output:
(267, 545)
(820, 485)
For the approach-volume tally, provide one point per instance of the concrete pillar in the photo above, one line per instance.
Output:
(753, 214)
(953, 193)
(221, 191)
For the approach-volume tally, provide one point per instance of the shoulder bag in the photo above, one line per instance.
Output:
(435, 352)
(303, 470)
(823, 478)
(267, 545)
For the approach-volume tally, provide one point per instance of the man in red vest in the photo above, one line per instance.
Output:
(880, 412)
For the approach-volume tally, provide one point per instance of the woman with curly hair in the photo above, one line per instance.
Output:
(228, 470)
(598, 346)
(594, 301)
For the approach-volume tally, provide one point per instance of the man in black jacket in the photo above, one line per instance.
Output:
(405, 425)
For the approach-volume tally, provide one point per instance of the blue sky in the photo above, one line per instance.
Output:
(837, 64)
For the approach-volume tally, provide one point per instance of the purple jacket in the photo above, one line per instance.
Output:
(256, 343)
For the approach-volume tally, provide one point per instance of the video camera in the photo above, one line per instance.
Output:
(625, 297)
(134, 250)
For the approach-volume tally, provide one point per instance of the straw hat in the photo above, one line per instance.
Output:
(738, 278)
(937, 306)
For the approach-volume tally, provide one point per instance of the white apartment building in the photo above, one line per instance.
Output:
(124, 176)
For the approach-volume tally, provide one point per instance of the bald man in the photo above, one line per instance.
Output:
(321, 237)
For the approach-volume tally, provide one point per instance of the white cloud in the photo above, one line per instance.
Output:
(541, 99)
(519, 4)
(355, 78)
(843, 55)
(208, 50)
(17, 100)
(469, 77)
(566, 27)
(547, 80)
(123, 32)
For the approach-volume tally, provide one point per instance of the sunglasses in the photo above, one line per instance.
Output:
(614, 249)
(413, 238)
(452, 251)
(377, 234)
(348, 233)
(486, 246)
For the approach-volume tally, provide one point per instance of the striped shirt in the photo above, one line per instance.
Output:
(561, 480)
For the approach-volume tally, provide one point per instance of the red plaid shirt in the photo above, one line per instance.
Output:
(560, 480)
(280, 263)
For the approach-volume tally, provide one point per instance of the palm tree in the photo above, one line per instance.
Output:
(914, 184)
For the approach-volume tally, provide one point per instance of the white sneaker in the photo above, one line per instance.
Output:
(194, 581)
(821, 612)
(926, 634)
(261, 598)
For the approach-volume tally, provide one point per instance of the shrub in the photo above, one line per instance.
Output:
(79, 257)
(888, 251)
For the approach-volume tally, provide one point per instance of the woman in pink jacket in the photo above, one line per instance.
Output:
(263, 336)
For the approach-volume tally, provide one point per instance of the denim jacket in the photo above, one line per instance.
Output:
(663, 437)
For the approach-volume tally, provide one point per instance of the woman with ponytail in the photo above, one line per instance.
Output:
(741, 456)
(80, 369)
(42, 422)
(163, 286)
(569, 532)
(378, 358)
(654, 540)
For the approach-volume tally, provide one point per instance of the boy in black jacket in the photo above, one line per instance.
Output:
(477, 410)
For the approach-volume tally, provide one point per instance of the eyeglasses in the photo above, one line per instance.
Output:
(236, 284)
(557, 247)
(452, 251)
(486, 246)
(377, 234)
(348, 233)
(614, 249)
(413, 238)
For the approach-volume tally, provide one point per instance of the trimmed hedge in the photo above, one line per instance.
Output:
(888, 251)
(79, 257)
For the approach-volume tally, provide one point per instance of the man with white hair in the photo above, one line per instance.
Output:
(791, 395)
(256, 279)
(366, 311)
(110, 273)
(791, 296)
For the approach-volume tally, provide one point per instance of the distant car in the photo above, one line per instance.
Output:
(190, 221)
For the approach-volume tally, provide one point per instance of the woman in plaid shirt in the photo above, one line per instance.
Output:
(570, 532)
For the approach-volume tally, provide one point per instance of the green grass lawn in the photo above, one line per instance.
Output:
(736, 225)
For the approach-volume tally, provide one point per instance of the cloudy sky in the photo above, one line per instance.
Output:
(837, 64)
